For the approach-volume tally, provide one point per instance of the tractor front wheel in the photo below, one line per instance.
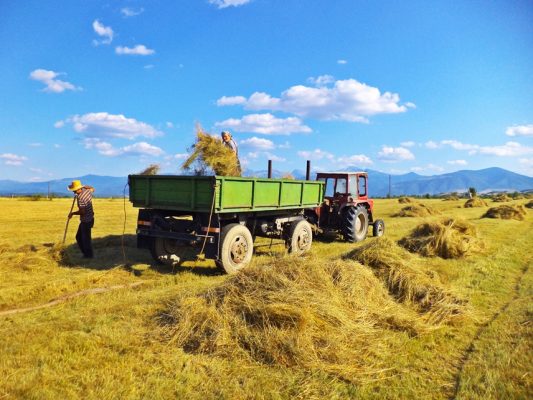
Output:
(355, 224)
(378, 228)
(237, 248)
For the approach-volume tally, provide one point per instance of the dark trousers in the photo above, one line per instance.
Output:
(83, 237)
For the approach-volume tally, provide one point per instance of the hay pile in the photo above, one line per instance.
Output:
(416, 210)
(447, 238)
(404, 200)
(529, 204)
(506, 212)
(295, 313)
(450, 198)
(501, 198)
(475, 202)
(407, 282)
(209, 152)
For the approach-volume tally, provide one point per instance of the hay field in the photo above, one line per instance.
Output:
(330, 325)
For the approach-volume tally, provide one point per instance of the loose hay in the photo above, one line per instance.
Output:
(448, 238)
(450, 198)
(529, 204)
(416, 210)
(475, 202)
(208, 152)
(407, 282)
(404, 200)
(500, 198)
(506, 212)
(292, 313)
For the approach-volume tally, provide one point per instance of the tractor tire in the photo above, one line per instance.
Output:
(378, 228)
(166, 251)
(300, 237)
(236, 249)
(355, 224)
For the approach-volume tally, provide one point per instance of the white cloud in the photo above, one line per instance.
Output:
(457, 162)
(429, 167)
(131, 12)
(257, 143)
(395, 154)
(315, 155)
(181, 156)
(509, 149)
(102, 124)
(265, 124)
(408, 144)
(520, 130)
(13, 159)
(321, 80)
(104, 32)
(347, 100)
(354, 160)
(49, 78)
(342, 62)
(273, 157)
(431, 145)
(231, 100)
(337, 162)
(228, 3)
(35, 144)
(285, 145)
(460, 146)
(107, 149)
(138, 50)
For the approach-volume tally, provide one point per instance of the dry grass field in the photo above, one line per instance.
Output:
(365, 321)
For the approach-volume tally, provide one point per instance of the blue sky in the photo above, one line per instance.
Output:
(109, 87)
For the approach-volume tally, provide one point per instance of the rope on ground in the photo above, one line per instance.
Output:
(67, 297)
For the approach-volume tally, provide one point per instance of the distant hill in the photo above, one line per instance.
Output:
(485, 180)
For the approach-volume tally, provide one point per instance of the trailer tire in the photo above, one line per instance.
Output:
(378, 228)
(300, 237)
(355, 222)
(165, 251)
(237, 248)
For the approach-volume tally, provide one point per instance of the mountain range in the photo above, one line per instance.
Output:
(484, 180)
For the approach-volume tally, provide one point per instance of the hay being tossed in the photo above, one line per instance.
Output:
(408, 282)
(295, 313)
(416, 210)
(209, 152)
(506, 212)
(475, 202)
(447, 238)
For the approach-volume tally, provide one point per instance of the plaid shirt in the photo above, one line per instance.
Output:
(85, 201)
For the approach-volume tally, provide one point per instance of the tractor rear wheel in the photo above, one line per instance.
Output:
(355, 224)
(300, 237)
(237, 248)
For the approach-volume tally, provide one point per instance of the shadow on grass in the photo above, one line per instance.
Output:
(121, 251)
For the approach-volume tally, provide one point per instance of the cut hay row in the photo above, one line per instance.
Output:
(506, 212)
(294, 312)
(447, 238)
(416, 210)
(407, 282)
(404, 200)
(208, 152)
(475, 202)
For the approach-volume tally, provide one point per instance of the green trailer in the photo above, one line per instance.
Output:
(221, 216)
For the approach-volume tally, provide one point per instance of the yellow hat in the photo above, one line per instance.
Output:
(75, 185)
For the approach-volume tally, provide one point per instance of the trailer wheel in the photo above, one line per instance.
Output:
(165, 251)
(300, 237)
(355, 223)
(237, 247)
(378, 229)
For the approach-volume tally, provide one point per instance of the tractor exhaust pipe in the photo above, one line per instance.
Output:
(308, 171)
(269, 169)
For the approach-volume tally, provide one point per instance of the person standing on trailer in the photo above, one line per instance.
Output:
(84, 196)
(230, 143)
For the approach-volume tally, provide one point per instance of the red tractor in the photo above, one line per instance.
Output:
(346, 208)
